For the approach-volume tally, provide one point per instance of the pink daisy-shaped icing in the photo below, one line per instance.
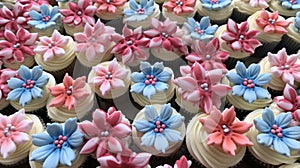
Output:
(166, 35)
(33, 4)
(79, 13)
(240, 38)
(94, 40)
(258, 3)
(109, 5)
(16, 46)
(51, 47)
(180, 6)
(130, 47)
(285, 67)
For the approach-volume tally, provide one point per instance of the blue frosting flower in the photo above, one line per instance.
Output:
(297, 22)
(139, 12)
(45, 19)
(57, 145)
(276, 133)
(201, 31)
(215, 4)
(29, 85)
(159, 129)
(291, 4)
(248, 83)
(151, 80)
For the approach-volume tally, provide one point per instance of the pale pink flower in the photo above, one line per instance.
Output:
(180, 6)
(109, 6)
(258, 3)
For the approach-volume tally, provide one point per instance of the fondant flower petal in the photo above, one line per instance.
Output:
(90, 146)
(41, 153)
(150, 113)
(53, 159)
(66, 157)
(172, 135)
(7, 147)
(283, 119)
(161, 143)
(281, 147)
(265, 139)
(42, 139)
(148, 138)
(143, 126)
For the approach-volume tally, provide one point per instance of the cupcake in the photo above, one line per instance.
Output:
(158, 129)
(179, 10)
(153, 85)
(16, 131)
(284, 7)
(30, 89)
(72, 98)
(56, 54)
(136, 15)
(166, 40)
(109, 9)
(94, 44)
(217, 140)
(59, 146)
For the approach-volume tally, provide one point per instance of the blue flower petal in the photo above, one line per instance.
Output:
(165, 112)
(36, 92)
(261, 125)
(34, 15)
(137, 87)
(129, 12)
(158, 67)
(250, 95)
(291, 143)
(15, 94)
(253, 71)
(66, 157)
(33, 23)
(138, 77)
(42, 81)
(161, 87)
(76, 139)
(175, 121)
(45, 10)
(204, 23)
(172, 135)
(52, 160)
(133, 5)
(41, 139)
(55, 18)
(211, 29)
(268, 117)
(149, 5)
(37, 72)
(14, 83)
(24, 73)
(262, 93)
(280, 147)
(70, 127)
(143, 3)
(41, 153)
(54, 130)
(292, 132)
(164, 76)
(265, 139)
(286, 4)
(144, 126)
(283, 119)
(238, 90)
(188, 27)
(25, 98)
(296, 7)
(263, 79)
(148, 138)
(149, 91)
(54, 12)
(146, 68)
(234, 78)
(150, 113)
(241, 69)
(161, 143)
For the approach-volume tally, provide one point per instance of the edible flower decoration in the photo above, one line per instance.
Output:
(297, 22)
(166, 35)
(33, 4)
(272, 23)
(202, 87)
(139, 12)
(109, 5)
(5, 75)
(14, 131)
(108, 78)
(45, 19)
(16, 46)
(276, 132)
(224, 131)
(285, 67)
(29, 86)
(110, 130)
(159, 129)
(291, 4)
(215, 4)
(58, 144)
(240, 38)
(208, 55)
(79, 13)
(258, 3)
(151, 79)
(180, 6)
(249, 83)
(181, 163)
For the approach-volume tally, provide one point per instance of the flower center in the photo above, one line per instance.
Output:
(51, 44)
(108, 1)
(248, 83)
(179, 3)
(214, 1)
(276, 130)
(204, 86)
(225, 128)
(165, 34)
(272, 21)
(70, 90)
(129, 42)
(108, 75)
(150, 80)
(285, 67)
(104, 133)
(242, 37)
(141, 11)
(93, 39)
(16, 45)
(79, 13)
(60, 141)
(46, 18)
(208, 57)
(29, 84)
(9, 128)
(293, 1)
(159, 127)
(198, 30)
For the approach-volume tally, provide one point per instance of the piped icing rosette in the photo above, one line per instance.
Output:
(110, 79)
(285, 7)
(136, 15)
(30, 89)
(109, 9)
(58, 147)
(131, 47)
(94, 44)
(77, 15)
(18, 48)
(166, 40)
(5, 75)
(153, 85)
(275, 140)
(158, 129)
(217, 140)
(180, 163)
(72, 98)
(198, 89)
(16, 131)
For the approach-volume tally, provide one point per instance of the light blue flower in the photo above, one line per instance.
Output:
(159, 129)
(57, 145)
(151, 79)
(276, 133)
(201, 31)
(297, 22)
(215, 4)
(291, 4)
(248, 82)
(139, 12)
(46, 19)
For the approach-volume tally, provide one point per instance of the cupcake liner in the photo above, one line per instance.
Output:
(238, 16)
(262, 51)
(291, 46)
(60, 74)
(250, 160)
(9, 110)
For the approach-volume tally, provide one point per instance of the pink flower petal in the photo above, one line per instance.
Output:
(114, 145)
(7, 147)
(90, 146)
(121, 130)
(89, 128)
(228, 146)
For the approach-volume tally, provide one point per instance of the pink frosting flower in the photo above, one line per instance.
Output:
(224, 132)
(109, 5)
(5, 75)
(165, 34)
(108, 78)
(104, 132)
(94, 40)
(240, 38)
(258, 3)
(13, 131)
(202, 87)
(181, 163)
(270, 23)
(16, 46)
(52, 46)
(69, 93)
(180, 6)
(208, 55)
(130, 48)
(284, 66)
(33, 4)
(80, 13)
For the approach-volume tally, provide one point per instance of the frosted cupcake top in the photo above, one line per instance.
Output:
(180, 6)
(258, 3)
(215, 4)
(139, 12)
(297, 22)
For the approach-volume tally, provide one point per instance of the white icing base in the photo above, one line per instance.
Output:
(3, 103)
(28, 61)
(164, 55)
(215, 15)
(71, 29)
